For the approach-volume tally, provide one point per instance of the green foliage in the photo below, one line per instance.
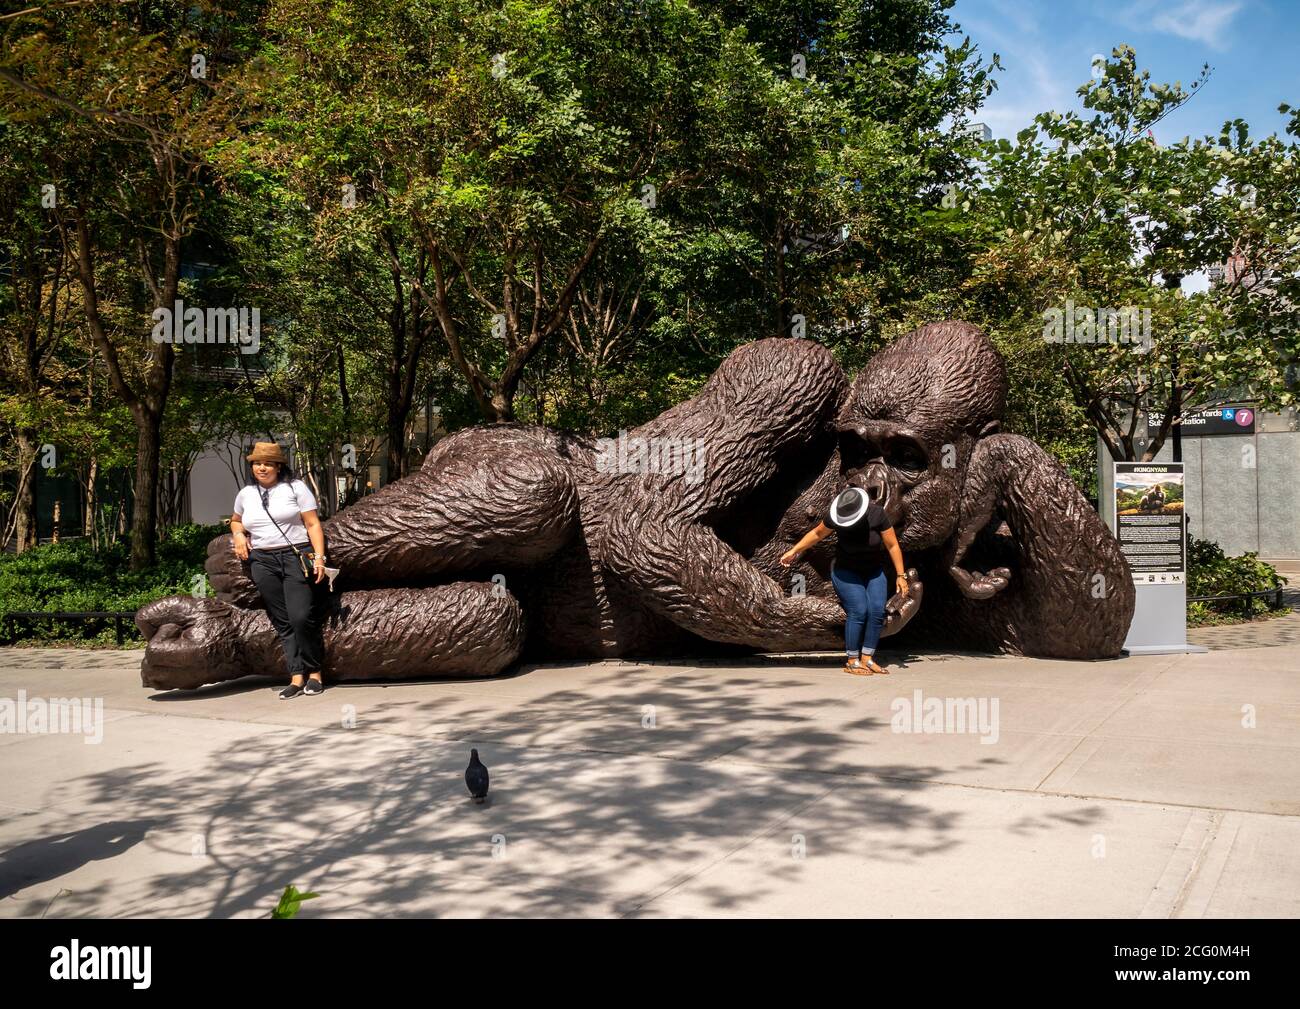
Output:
(449, 202)
(1088, 211)
(71, 576)
(490, 150)
(290, 902)
(1212, 573)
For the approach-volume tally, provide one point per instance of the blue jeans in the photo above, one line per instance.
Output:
(863, 594)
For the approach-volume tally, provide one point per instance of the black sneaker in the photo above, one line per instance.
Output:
(314, 687)
(292, 690)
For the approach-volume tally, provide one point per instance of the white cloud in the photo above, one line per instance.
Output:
(1198, 20)
(1034, 79)
(1021, 16)
(1037, 87)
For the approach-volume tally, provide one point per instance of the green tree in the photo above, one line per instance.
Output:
(1087, 212)
(138, 89)
(35, 302)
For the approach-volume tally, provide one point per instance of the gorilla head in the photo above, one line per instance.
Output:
(911, 420)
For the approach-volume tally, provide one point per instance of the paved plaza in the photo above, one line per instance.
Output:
(1160, 786)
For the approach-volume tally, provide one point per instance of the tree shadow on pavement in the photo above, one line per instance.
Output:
(603, 799)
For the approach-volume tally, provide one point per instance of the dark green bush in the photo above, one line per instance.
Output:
(71, 576)
(1210, 572)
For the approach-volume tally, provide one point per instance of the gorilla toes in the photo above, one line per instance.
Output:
(230, 577)
(190, 642)
(975, 585)
(900, 609)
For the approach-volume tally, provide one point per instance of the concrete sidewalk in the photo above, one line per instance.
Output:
(777, 787)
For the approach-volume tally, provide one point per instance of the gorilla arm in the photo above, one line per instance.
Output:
(487, 495)
(684, 572)
(461, 629)
(1074, 593)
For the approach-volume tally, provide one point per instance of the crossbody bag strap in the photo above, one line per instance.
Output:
(266, 508)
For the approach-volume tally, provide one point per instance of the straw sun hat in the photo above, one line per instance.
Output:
(267, 451)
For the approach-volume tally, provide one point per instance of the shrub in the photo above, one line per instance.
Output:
(72, 576)
(1210, 572)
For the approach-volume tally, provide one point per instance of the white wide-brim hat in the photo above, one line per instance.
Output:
(850, 506)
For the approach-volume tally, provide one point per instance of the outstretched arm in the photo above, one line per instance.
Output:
(811, 539)
(890, 539)
(686, 573)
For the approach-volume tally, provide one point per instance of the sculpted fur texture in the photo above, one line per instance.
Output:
(515, 542)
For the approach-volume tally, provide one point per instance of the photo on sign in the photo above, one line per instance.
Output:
(1149, 494)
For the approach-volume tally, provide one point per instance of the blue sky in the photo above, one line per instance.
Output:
(1047, 49)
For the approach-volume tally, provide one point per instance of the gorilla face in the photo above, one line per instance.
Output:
(911, 420)
(909, 472)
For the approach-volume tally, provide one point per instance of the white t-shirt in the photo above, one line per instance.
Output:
(288, 501)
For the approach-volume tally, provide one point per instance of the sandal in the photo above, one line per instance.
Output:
(875, 667)
(856, 668)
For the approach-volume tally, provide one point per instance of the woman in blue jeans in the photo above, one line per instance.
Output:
(864, 538)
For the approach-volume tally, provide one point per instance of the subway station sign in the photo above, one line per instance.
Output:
(1219, 420)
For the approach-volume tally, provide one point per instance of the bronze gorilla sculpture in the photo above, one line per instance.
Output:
(515, 541)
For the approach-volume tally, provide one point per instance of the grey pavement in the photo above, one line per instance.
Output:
(1257, 633)
(1152, 786)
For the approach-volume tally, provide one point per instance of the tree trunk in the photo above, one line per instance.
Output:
(782, 318)
(144, 520)
(147, 406)
(90, 528)
(25, 503)
(350, 480)
(396, 443)
(502, 404)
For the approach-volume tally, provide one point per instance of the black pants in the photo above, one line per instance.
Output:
(291, 602)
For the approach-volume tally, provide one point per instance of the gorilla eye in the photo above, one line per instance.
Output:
(855, 450)
(907, 455)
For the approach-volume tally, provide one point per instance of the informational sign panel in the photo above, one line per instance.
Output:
(1149, 521)
(1219, 420)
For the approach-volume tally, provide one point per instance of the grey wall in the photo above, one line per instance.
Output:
(1279, 477)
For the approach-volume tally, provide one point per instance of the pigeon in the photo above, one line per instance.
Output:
(476, 777)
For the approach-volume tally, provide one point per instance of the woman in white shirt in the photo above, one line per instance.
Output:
(274, 520)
